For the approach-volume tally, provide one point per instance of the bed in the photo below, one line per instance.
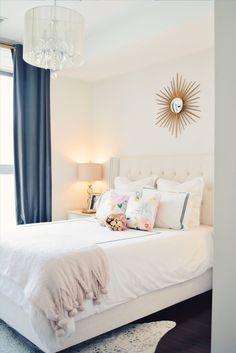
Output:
(157, 291)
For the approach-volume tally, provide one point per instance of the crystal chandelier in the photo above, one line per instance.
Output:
(53, 37)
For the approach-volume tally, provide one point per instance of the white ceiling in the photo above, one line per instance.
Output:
(124, 35)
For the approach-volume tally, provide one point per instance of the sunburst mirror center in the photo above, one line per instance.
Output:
(176, 105)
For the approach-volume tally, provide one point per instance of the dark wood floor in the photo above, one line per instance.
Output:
(192, 333)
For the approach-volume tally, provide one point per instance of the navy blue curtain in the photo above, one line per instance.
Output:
(32, 141)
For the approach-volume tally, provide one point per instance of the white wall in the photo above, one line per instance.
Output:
(116, 116)
(70, 125)
(224, 279)
(124, 110)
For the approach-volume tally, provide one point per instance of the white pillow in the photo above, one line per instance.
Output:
(111, 202)
(195, 188)
(174, 210)
(125, 184)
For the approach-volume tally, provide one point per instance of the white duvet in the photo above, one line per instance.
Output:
(140, 262)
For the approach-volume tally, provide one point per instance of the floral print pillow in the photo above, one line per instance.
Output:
(141, 212)
(111, 202)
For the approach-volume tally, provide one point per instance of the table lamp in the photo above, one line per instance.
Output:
(89, 172)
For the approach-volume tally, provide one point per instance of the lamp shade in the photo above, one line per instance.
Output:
(89, 171)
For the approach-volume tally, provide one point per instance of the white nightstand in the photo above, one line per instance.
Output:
(76, 214)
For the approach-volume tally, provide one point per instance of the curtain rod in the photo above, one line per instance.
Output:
(7, 46)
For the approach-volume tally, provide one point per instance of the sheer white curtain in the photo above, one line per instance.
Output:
(7, 187)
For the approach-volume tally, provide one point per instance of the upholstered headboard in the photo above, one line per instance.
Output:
(179, 168)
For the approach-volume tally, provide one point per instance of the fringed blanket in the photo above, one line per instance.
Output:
(56, 273)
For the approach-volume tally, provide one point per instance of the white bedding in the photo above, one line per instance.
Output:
(140, 262)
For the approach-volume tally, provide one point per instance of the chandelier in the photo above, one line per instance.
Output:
(53, 37)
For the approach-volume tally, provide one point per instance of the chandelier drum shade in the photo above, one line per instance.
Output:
(53, 37)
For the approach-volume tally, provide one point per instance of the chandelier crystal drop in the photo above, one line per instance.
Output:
(53, 37)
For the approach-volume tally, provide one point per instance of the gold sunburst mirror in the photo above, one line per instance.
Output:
(179, 105)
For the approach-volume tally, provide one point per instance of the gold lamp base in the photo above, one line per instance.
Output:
(89, 191)
(85, 210)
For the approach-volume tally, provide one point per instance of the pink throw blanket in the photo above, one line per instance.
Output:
(56, 276)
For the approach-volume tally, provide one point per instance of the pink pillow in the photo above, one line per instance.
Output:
(141, 212)
(111, 202)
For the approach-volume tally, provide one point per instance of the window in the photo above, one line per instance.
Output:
(7, 188)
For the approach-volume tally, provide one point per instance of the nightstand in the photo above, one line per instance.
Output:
(76, 214)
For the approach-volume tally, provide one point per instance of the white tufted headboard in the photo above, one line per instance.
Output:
(179, 168)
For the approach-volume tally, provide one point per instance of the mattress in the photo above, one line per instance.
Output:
(140, 262)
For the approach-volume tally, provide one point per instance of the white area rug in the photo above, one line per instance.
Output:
(133, 338)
